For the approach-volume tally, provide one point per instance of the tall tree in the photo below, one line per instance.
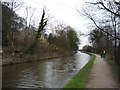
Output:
(41, 29)
(72, 38)
(9, 20)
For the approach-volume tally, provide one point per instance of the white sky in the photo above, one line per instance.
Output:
(63, 10)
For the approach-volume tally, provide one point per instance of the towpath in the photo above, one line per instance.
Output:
(101, 75)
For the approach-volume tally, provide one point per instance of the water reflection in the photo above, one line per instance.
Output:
(46, 73)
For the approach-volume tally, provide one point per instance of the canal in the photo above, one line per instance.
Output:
(52, 73)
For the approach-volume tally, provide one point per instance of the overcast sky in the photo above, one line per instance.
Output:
(63, 10)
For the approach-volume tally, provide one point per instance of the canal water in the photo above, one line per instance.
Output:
(52, 73)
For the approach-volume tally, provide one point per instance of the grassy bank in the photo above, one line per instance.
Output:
(116, 68)
(79, 80)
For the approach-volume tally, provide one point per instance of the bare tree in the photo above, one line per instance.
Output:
(14, 5)
(31, 18)
(111, 17)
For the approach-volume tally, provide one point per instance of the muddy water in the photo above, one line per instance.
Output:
(52, 73)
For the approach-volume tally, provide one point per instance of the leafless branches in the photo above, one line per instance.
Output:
(112, 16)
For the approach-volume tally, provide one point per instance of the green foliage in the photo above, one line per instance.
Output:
(61, 39)
(42, 25)
(65, 39)
(72, 39)
(79, 80)
(88, 48)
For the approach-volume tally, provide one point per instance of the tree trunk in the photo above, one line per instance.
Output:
(115, 50)
(119, 53)
(11, 44)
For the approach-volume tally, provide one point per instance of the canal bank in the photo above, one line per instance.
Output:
(51, 73)
(27, 58)
(79, 80)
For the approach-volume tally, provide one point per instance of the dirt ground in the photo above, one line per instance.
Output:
(101, 75)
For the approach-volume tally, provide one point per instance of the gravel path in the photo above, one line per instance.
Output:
(101, 75)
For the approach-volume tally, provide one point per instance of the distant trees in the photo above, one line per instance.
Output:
(65, 39)
(88, 48)
(100, 41)
(73, 39)
(108, 23)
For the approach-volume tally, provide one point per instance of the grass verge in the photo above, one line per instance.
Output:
(79, 80)
(115, 67)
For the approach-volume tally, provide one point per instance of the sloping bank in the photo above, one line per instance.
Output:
(79, 80)
(31, 58)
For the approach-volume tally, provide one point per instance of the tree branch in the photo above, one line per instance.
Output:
(103, 29)
(109, 9)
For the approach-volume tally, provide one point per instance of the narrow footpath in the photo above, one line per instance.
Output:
(101, 75)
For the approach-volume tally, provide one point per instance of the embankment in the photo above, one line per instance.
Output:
(79, 80)
(26, 58)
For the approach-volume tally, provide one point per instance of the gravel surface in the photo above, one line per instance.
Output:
(101, 75)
